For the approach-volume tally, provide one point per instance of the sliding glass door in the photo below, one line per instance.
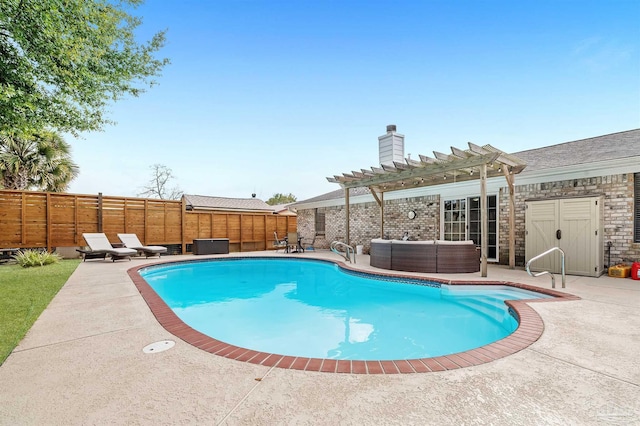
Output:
(462, 221)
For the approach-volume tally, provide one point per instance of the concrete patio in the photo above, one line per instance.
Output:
(82, 363)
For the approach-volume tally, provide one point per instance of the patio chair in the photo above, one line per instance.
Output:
(278, 243)
(310, 246)
(99, 244)
(294, 243)
(131, 241)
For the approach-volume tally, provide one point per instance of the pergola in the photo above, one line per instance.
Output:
(475, 163)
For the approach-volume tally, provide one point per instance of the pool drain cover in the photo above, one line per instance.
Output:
(160, 346)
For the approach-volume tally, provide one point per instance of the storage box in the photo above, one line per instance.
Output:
(620, 271)
(211, 246)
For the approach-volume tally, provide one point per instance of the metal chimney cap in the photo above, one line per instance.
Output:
(391, 128)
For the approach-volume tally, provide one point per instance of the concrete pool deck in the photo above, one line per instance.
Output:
(82, 363)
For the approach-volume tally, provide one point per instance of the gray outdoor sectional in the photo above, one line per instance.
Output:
(425, 256)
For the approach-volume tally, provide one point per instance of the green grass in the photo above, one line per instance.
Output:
(24, 293)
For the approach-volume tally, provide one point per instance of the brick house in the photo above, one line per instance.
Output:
(555, 190)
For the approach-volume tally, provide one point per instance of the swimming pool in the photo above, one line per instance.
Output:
(316, 309)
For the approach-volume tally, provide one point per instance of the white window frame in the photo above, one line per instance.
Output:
(466, 197)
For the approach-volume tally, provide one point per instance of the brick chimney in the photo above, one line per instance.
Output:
(391, 146)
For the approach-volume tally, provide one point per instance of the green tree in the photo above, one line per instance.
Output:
(63, 62)
(39, 161)
(158, 185)
(281, 199)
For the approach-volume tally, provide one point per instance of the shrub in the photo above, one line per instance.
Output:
(28, 258)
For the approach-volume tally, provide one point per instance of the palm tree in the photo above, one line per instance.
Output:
(41, 160)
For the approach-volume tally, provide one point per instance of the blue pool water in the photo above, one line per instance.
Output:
(315, 309)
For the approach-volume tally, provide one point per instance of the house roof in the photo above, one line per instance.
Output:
(600, 148)
(283, 209)
(583, 151)
(222, 203)
(338, 193)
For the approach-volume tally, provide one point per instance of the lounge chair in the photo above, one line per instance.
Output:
(131, 241)
(99, 244)
(278, 243)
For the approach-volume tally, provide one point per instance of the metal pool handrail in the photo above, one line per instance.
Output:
(347, 249)
(553, 278)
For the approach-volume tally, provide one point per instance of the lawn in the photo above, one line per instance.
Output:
(24, 293)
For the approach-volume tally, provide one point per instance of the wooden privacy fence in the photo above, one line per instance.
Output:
(50, 220)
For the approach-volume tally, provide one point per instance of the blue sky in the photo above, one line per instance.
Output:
(274, 96)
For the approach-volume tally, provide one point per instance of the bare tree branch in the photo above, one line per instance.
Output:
(158, 185)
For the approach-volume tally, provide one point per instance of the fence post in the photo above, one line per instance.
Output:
(241, 237)
(146, 217)
(76, 213)
(99, 211)
(165, 220)
(183, 226)
(23, 219)
(48, 212)
(124, 218)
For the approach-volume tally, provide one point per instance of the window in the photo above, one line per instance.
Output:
(455, 220)
(319, 222)
(462, 221)
(636, 207)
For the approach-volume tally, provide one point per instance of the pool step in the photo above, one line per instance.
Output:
(490, 307)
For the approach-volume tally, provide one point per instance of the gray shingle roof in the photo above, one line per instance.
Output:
(222, 203)
(584, 151)
(600, 148)
(338, 193)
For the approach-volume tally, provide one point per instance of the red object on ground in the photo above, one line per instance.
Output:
(635, 270)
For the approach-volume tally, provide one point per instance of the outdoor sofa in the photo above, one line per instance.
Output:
(425, 256)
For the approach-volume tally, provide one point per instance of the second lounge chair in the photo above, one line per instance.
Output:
(99, 244)
(131, 241)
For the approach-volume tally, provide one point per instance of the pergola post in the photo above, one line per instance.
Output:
(380, 201)
(346, 208)
(484, 224)
(512, 217)
(382, 215)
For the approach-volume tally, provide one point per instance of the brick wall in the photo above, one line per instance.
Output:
(365, 221)
(617, 191)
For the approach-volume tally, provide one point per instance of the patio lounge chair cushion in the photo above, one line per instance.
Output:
(99, 243)
(131, 241)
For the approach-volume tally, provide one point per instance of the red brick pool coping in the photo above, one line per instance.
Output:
(529, 330)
